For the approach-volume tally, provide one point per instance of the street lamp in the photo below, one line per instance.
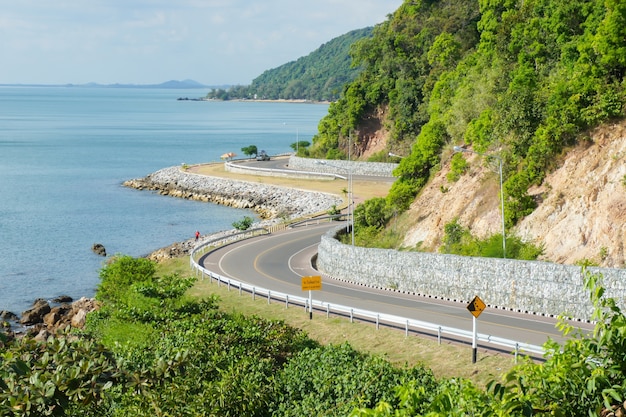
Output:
(460, 149)
(350, 207)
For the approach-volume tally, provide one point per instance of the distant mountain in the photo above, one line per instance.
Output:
(181, 84)
(174, 84)
(319, 76)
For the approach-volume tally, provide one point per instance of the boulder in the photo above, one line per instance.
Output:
(62, 299)
(42, 336)
(79, 319)
(36, 313)
(8, 316)
(56, 315)
(99, 249)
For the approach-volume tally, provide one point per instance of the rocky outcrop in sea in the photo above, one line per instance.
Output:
(268, 201)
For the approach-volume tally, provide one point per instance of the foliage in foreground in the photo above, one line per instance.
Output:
(191, 359)
(585, 377)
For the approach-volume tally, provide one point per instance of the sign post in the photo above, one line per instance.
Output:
(311, 283)
(476, 306)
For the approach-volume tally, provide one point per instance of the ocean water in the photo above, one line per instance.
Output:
(64, 152)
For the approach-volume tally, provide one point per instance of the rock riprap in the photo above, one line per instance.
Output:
(268, 201)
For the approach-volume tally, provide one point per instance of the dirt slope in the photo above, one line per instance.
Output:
(582, 213)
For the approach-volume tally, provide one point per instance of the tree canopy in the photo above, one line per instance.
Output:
(319, 76)
(523, 80)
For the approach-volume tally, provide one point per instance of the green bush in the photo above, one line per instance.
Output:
(402, 193)
(333, 210)
(458, 167)
(373, 212)
(459, 241)
(120, 274)
(243, 224)
(54, 377)
(341, 380)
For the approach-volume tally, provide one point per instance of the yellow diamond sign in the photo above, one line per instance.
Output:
(476, 306)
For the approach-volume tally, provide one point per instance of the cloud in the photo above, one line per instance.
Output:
(146, 41)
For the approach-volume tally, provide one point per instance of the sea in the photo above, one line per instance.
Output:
(65, 151)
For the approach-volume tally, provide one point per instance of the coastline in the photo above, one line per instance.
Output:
(273, 203)
(257, 100)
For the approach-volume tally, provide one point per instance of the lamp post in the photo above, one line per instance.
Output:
(460, 149)
(350, 209)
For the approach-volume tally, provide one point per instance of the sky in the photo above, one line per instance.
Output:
(214, 42)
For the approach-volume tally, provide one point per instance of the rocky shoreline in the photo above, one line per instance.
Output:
(270, 202)
(46, 318)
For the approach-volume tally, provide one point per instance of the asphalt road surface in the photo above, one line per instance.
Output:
(278, 261)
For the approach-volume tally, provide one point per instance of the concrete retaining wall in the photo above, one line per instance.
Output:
(284, 173)
(382, 169)
(527, 286)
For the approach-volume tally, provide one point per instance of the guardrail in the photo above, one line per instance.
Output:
(292, 173)
(409, 325)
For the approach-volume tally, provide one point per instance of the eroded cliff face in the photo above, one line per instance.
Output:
(583, 212)
(582, 203)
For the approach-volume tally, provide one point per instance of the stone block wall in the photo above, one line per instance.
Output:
(528, 286)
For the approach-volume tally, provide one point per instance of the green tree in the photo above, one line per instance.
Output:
(250, 150)
(301, 144)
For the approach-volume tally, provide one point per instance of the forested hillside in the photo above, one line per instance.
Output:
(319, 76)
(521, 80)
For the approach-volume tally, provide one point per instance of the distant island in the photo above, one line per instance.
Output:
(173, 84)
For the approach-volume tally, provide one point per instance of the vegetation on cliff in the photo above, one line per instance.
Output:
(523, 80)
(319, 76)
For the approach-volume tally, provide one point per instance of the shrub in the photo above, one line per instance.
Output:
(120, 274)
(458, 167)
(243, 224)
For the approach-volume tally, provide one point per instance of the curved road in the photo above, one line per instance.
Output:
(278, 261)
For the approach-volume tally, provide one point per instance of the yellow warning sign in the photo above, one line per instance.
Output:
(476, 306)
(312, 282)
